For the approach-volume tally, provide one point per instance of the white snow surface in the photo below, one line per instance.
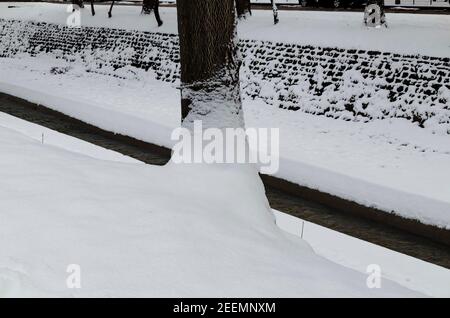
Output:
(117, 218)
(350, 252)
(389, 164)
(413, 273)
(407, 33)
(51, 137)
(118, 221)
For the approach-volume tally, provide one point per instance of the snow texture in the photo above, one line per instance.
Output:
(119, 223)
(390, 164)
(351, 85)
(407, 34)
(357, 254)
(350, 252)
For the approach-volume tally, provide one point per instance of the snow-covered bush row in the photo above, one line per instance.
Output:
(356, 85)
(101, 50)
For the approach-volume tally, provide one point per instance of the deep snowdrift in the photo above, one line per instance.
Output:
(121, 224)
(412, 273)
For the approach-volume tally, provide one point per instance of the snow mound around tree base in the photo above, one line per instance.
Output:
(139, 230)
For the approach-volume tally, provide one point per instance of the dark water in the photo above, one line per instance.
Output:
(364, 229)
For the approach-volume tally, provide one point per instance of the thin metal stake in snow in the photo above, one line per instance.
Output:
(303, 228)
(42, 138)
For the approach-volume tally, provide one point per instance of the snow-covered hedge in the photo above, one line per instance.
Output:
(355, 85)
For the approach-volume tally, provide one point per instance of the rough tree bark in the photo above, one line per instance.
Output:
(210, 64)
(243, 8)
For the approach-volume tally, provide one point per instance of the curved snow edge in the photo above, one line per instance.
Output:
(426, 210)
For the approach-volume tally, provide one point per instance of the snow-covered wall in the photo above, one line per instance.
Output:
(347, 84)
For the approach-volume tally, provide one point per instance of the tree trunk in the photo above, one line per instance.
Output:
(210, 65)
(147, 6)
(383, 14)
(275, 12)
(243, 8)
(78, 3)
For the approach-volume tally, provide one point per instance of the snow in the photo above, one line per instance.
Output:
(50, 137)
(118, 222)
(64, 201)
(389, 164)
(392, 165)
(350, 252)
(407, 4)
(407, 33)
(97, 99)
(357, 254)
(389, 3)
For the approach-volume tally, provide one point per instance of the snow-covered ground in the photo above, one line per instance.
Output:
(357, 254)
(407, 33)
(389, 3)
(424, 3)
(350, 252)
(50, 137)
(64, 201)
(116, 220)
(392, 164)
